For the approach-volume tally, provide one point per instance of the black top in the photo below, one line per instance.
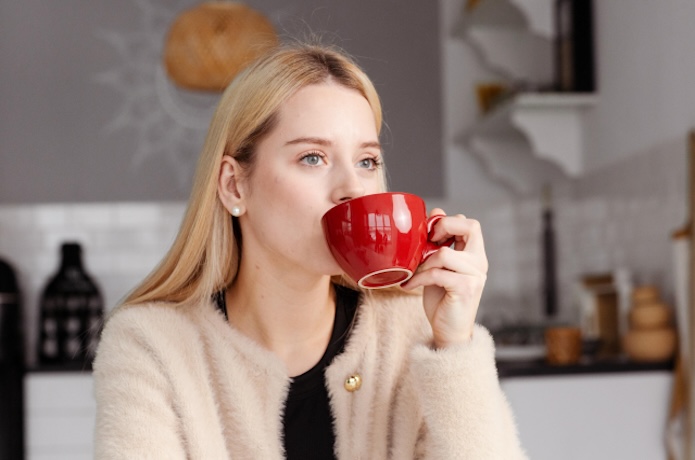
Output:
(307, 420)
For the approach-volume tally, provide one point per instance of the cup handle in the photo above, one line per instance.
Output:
(431, 247)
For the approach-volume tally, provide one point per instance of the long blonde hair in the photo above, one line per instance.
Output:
(205, 255)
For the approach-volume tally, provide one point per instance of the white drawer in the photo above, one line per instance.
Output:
(60, 430)
(60, 416)
(60, 455)
(592, 416)
(52, 392)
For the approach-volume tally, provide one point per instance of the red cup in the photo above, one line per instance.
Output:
(379, 240)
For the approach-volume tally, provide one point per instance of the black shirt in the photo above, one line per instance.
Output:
(307, 419)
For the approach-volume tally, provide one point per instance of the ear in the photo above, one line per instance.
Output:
(229, 184)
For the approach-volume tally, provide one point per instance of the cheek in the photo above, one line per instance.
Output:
(377, 186)
(283, 192)
(270, 188)
(283, 199)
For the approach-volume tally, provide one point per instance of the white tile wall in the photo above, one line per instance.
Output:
(620, 217)
(121, 243)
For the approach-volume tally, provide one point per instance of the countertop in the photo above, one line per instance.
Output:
(505, 369)
(539, 368)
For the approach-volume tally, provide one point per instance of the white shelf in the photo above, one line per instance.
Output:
(510, 162)
(554, 126)
(535, 16)
(539, 15)
(530, 138)
(513, 38)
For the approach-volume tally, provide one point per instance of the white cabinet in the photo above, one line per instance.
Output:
(60, 414)
(513, 38)
(597, 416)
(569, 417)
(533, 138)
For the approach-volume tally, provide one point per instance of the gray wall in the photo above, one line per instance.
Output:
(86, 114)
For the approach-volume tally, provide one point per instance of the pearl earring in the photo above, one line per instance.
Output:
(236, 211)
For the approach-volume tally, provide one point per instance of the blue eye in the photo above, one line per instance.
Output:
(312, 159)
(369, 163)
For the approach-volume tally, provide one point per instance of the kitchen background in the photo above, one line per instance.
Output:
(97, 146)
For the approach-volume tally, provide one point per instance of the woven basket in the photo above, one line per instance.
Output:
(209, 44)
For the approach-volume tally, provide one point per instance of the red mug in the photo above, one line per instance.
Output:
(379, 240)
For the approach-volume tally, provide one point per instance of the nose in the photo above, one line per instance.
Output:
(348, 185)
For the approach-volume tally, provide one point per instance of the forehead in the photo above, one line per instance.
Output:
(326, 103)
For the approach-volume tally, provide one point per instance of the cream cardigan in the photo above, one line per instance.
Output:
(181, 383)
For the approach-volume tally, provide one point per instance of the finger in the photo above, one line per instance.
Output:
(454, 283)
(463, 262)
(441, 229)
(468, 232)
(436, 277)
(437, 212)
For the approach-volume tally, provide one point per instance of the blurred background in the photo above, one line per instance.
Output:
(563, 126)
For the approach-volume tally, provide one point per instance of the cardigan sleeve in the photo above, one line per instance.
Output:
(136, 417)
(465, 413)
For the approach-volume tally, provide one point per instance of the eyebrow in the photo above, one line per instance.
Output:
(326, 142)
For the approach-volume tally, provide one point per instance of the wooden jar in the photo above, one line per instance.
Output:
(652, 336)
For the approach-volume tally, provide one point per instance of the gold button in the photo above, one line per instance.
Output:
(353, 383)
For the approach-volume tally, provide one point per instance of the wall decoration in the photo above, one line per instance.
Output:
(167, 124)
(209, 44)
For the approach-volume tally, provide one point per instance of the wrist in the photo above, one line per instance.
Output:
(447, 342)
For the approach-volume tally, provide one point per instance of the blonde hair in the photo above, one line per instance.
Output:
(204, 258)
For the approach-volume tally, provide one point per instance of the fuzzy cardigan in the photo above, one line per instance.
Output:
(178, 382)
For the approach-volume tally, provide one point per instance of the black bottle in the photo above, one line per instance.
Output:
(549, 269)
(71, 314)
(11, 366)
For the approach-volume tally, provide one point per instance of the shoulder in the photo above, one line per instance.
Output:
(146, 319)
(151, 328)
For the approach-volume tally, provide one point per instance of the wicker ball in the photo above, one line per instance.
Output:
(209, 44)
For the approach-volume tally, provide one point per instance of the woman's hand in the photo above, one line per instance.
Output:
(453, 279)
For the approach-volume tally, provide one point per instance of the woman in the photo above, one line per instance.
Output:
(246, 343)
